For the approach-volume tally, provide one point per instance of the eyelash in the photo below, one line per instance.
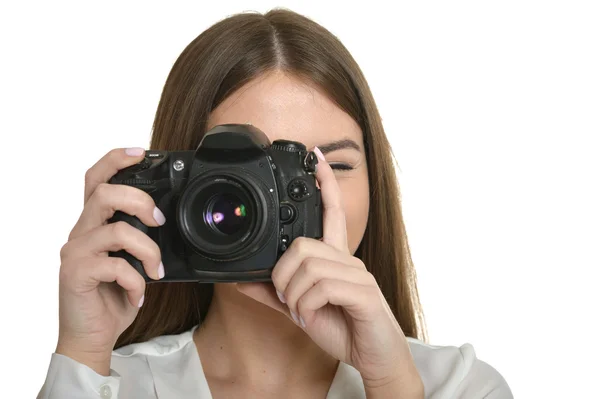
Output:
(341, 166)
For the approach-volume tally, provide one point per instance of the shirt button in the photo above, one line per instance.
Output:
(105, 392)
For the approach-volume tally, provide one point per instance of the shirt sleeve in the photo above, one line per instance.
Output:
(68, 378)
(481, 381)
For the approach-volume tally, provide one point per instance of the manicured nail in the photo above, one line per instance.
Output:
(302, 323)
(294, 317)
(141, 302)
(134, 151)
(319, 153)
(159, 216)
(161, 270)
(281, 297)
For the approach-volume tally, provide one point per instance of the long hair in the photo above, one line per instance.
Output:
(222, 59)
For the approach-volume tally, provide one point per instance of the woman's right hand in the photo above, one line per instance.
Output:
(99, 296)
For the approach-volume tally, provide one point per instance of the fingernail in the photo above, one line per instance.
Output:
(281, 297)
(159, 216)
(294, 317)
(161, 270)
(134, 151)
(319, 153)
(141, 301)
(302, 323)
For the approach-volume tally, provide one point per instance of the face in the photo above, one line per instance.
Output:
(284, 107)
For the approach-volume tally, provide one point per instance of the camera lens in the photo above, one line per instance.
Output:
(226, 213)
(221, 213)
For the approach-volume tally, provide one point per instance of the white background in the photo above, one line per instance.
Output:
(493, 111)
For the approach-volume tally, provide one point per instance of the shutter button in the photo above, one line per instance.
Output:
(105, 392)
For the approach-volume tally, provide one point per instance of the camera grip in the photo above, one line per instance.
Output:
(132, 260)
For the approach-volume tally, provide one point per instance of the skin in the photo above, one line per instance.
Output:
(259, 340)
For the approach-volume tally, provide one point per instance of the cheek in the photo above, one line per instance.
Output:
(355, 194)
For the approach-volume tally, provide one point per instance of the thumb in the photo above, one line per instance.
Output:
(263, 293)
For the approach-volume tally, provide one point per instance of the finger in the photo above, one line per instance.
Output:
(302, 248)
(109, 198)
(334, 217)
(108, 166)
(107, 270)
(359, 301)
(114, 237)
(313, 270)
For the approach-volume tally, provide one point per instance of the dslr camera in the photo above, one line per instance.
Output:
(232, 206)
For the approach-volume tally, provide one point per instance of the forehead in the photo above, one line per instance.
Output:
(285, 107)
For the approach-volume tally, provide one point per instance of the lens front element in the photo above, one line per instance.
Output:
(226, 213)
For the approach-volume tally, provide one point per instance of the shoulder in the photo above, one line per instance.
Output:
(450, 371)
(144, 367)
(163, 345)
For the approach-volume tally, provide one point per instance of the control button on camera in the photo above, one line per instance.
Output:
(154, 155)
(178, 165)
(298, 190)
(286, 213)
(310, 162)
(140, 166)
(285, 240)
(289, 146)
(145, 164)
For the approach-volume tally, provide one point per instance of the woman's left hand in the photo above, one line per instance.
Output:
(332, 296)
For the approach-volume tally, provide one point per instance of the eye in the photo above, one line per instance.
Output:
(340, 166)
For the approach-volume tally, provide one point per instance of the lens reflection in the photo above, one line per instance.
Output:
(225, 213)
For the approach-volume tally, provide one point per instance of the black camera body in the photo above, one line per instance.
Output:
(232, 206)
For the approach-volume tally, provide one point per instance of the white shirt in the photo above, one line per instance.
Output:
(169, 367)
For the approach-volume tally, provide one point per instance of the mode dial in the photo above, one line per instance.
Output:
(289, 146)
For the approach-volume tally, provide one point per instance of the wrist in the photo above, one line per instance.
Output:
(97, 361)
(399, 387)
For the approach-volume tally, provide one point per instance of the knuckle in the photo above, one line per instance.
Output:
(300, 245)
(361, 265)
(117, 265)
(310, 266)
(69, 238)
(155, 250)
(120, 229)
(276, 277)
(326, 287)
(113, 155)
(149, 250)
(358, 262)
(102, 191)
(373, 290)
(144, 201)
(89, 176)
(120, 267)
(140, 282)
(301, 305)
(149, 202)
(64, 250)
(371, 280)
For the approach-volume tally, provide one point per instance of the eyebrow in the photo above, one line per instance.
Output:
(339, 145)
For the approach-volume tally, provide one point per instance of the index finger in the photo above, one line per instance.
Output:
(334, 217)
(108, 166)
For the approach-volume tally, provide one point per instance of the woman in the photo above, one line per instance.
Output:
(342, 317)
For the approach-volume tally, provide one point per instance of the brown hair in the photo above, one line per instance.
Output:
(222, 59)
